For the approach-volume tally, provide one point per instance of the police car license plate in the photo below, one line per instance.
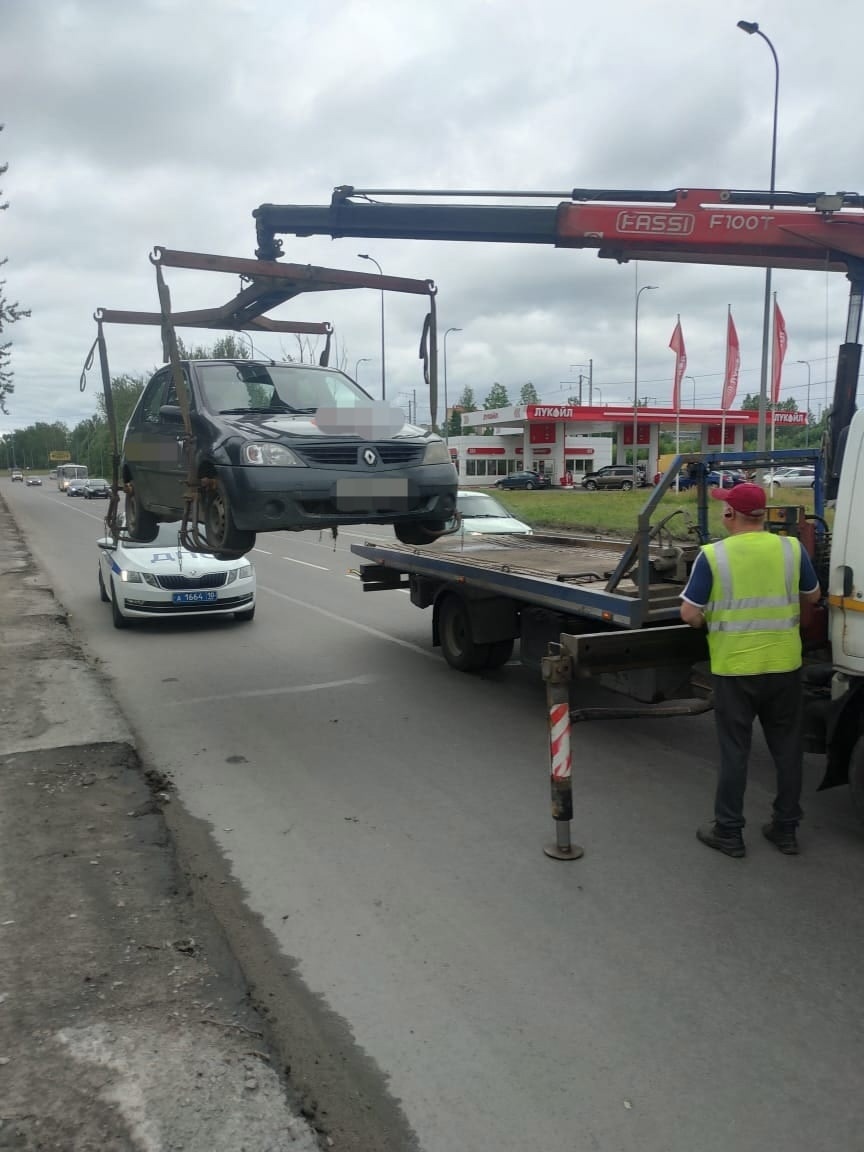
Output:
(193, 597)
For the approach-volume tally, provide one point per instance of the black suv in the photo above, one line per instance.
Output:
(281, 447)
(614, 476)
(527, 480)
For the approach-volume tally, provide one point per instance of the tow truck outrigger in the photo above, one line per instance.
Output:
(624, 622)
(267, 285)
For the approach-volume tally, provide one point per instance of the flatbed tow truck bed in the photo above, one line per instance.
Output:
(568, 576)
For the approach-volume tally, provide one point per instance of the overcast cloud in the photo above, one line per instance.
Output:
(166, 123)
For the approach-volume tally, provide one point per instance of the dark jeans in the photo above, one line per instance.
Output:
(776, 699)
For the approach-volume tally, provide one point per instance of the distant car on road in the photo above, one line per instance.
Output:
(526, 480)
(804, 477)
(76, 487)
(161, 580)
(33, 482)
(614, 476)
(17, 476)
(94, 488)
(728, 478)
(482, 515)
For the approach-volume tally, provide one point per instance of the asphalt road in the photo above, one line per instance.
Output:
(385, 816)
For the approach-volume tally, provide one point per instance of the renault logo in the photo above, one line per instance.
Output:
(370, 457)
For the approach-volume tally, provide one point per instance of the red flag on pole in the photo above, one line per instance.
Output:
(677, 346)
(733, 363)
(779, 352)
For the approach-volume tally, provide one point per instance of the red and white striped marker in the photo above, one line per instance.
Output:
(559, 735)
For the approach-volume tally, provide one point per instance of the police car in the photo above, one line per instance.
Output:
(162, 580)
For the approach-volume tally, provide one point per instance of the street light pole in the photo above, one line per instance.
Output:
(752, 28)
(693, 378)
(357, 363)
(807, 428)
(644, 288)
(366, 256)
(446, 417)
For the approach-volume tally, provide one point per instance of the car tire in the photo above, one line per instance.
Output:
(627, 486)
(499, 483)
(120, 621)
(416, 535)
(591, 485)
(529, 487)
(103, 595)
(457, 643)
(222, 534)
(140, 524)
(245, 616)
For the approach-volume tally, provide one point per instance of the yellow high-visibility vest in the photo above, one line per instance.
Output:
(754, 613)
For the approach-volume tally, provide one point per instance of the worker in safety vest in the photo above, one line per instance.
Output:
(748, 590)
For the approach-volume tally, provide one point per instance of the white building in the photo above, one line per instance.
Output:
(482, 459)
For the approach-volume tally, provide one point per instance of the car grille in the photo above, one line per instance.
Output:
(347, 454)
(210, 580)
(330, 453)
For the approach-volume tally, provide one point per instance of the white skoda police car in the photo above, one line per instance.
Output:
(162, 580)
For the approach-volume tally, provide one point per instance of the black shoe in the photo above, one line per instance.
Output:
(782, 838)
(726, 840)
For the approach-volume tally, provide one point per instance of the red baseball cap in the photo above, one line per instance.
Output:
(748, 499)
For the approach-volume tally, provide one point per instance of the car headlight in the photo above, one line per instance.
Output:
(276, 455)
(130, 577)
(436, 453)
(150, 579)
(245, 572)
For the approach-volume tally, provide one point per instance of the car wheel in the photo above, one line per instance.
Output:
(223, 536)
(103, 595)
(246, 615)
(457, 643)
(499, 483)
(627, 486)
(529, 487)
(590, 485)
(120, 621)
(416, 535)
(140, 524)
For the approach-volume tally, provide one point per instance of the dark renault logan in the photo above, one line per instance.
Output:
(282, 447)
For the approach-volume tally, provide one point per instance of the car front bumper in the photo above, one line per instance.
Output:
(265, 499)
(153, 603)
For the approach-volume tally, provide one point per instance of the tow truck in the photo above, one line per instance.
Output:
(599, 608)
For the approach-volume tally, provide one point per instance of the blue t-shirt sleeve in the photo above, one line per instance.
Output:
(698, 589)
(808, 581)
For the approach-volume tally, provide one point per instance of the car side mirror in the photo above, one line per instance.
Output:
(106, 545)
(171, 412)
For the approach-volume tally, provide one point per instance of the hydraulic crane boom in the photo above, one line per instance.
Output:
(811, 231)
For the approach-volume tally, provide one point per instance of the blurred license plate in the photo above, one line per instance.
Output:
(366, 492)
(193, 597)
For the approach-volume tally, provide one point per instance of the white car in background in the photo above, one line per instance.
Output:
(804, 477)
(482, 515)
(161, 580)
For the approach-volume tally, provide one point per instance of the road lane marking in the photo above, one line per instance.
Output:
(255, 692)
(350, 623)
(306, 564)
(263, 551)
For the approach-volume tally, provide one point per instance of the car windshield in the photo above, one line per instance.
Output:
(238, 387)
(97, 483)
(475, 506)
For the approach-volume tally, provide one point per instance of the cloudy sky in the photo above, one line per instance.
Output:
(166, 122)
